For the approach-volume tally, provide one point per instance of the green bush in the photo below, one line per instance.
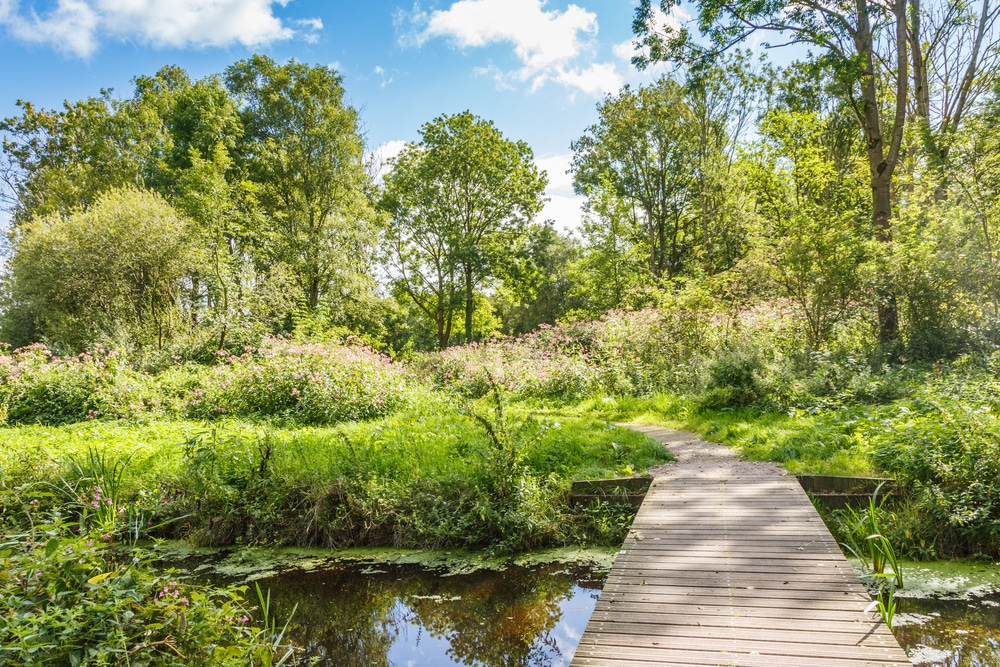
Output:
(39, 387)
(947, 454)
(312, 384)
(75, 600)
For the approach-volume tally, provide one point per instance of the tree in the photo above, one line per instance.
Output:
(457, 200)
(642, 147)
(538, 287)
(955, 56)
(63, 160)
(303, 152)
(811, 202)
(847, 34)
(614, 263)
(112, 271)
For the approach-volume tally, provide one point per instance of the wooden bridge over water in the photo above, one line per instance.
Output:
(729, 564)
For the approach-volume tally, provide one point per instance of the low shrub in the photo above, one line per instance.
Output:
(40, 387)
(312, 384)
(73, 599)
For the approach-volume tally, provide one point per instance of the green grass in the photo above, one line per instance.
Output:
(804, 443)
(423, 476)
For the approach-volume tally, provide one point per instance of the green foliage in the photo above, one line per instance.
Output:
(623, 353)
(110, 273)
(813, 206)
(73, 599)
(425, 476)
(934, 431)
(315, 384)
(446, 248)
(863, 537)
(41, 388)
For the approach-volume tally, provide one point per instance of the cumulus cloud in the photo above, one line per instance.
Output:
(379, 158)
(548, 43)
(78, 26)
(597, 80)
(564, 206)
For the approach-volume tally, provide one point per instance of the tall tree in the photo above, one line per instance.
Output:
(847, 34)
(955, 56)
(811, 201)
(457, 198)
(643, 146)
(303, 151)
(64, 159)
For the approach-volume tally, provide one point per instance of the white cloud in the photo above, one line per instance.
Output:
(386, 77)
(564, 205)
(565, 212)
(548, 43)
(597, 80)
(541, 38)
(78, 26)
(625, 50)
(313, 23)
(379, 158)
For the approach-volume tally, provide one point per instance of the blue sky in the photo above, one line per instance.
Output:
(535, 67)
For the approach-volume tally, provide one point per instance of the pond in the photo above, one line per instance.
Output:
(949, 614)
(410, 609)
(950, 633)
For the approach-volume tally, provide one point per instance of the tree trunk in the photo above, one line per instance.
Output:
(882, 159)
(469, 304)
(313, 295)
(442, 335)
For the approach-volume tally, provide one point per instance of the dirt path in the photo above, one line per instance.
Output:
(697, 458)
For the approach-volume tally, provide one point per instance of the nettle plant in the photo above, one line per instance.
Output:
(79, 597)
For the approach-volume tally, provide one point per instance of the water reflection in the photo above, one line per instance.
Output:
(950, 633)
(410, 616)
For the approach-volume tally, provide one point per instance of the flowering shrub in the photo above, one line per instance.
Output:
(622, 353)
(40, 387)
(316, 384)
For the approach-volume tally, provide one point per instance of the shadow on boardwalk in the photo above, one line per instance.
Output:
(728, 563)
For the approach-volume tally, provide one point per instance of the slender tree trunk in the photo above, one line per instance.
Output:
(442, 335)
(882, 159)
(470, 304)
(313, 295)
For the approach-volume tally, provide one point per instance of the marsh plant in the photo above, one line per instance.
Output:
(863, 537)
(73, 597)
(512, 503)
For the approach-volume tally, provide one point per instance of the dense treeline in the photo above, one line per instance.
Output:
(200, 215)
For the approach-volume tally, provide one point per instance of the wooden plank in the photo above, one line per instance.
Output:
(732, 569)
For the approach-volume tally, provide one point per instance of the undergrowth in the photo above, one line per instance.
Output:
(430, 475)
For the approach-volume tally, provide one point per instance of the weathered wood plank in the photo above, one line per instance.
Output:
(732, 568)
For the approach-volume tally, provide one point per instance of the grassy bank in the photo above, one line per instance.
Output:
(937, 431)
(428, 475)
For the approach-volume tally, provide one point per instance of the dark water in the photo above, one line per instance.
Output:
(410, 616)
(353, 615)
(951, 633)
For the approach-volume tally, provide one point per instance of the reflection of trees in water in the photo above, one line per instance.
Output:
(498, 619)
(504, 619)
(343, 618)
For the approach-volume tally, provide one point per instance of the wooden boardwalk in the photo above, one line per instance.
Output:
(728, 563)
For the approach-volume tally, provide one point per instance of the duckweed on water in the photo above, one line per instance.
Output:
(255, 563)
